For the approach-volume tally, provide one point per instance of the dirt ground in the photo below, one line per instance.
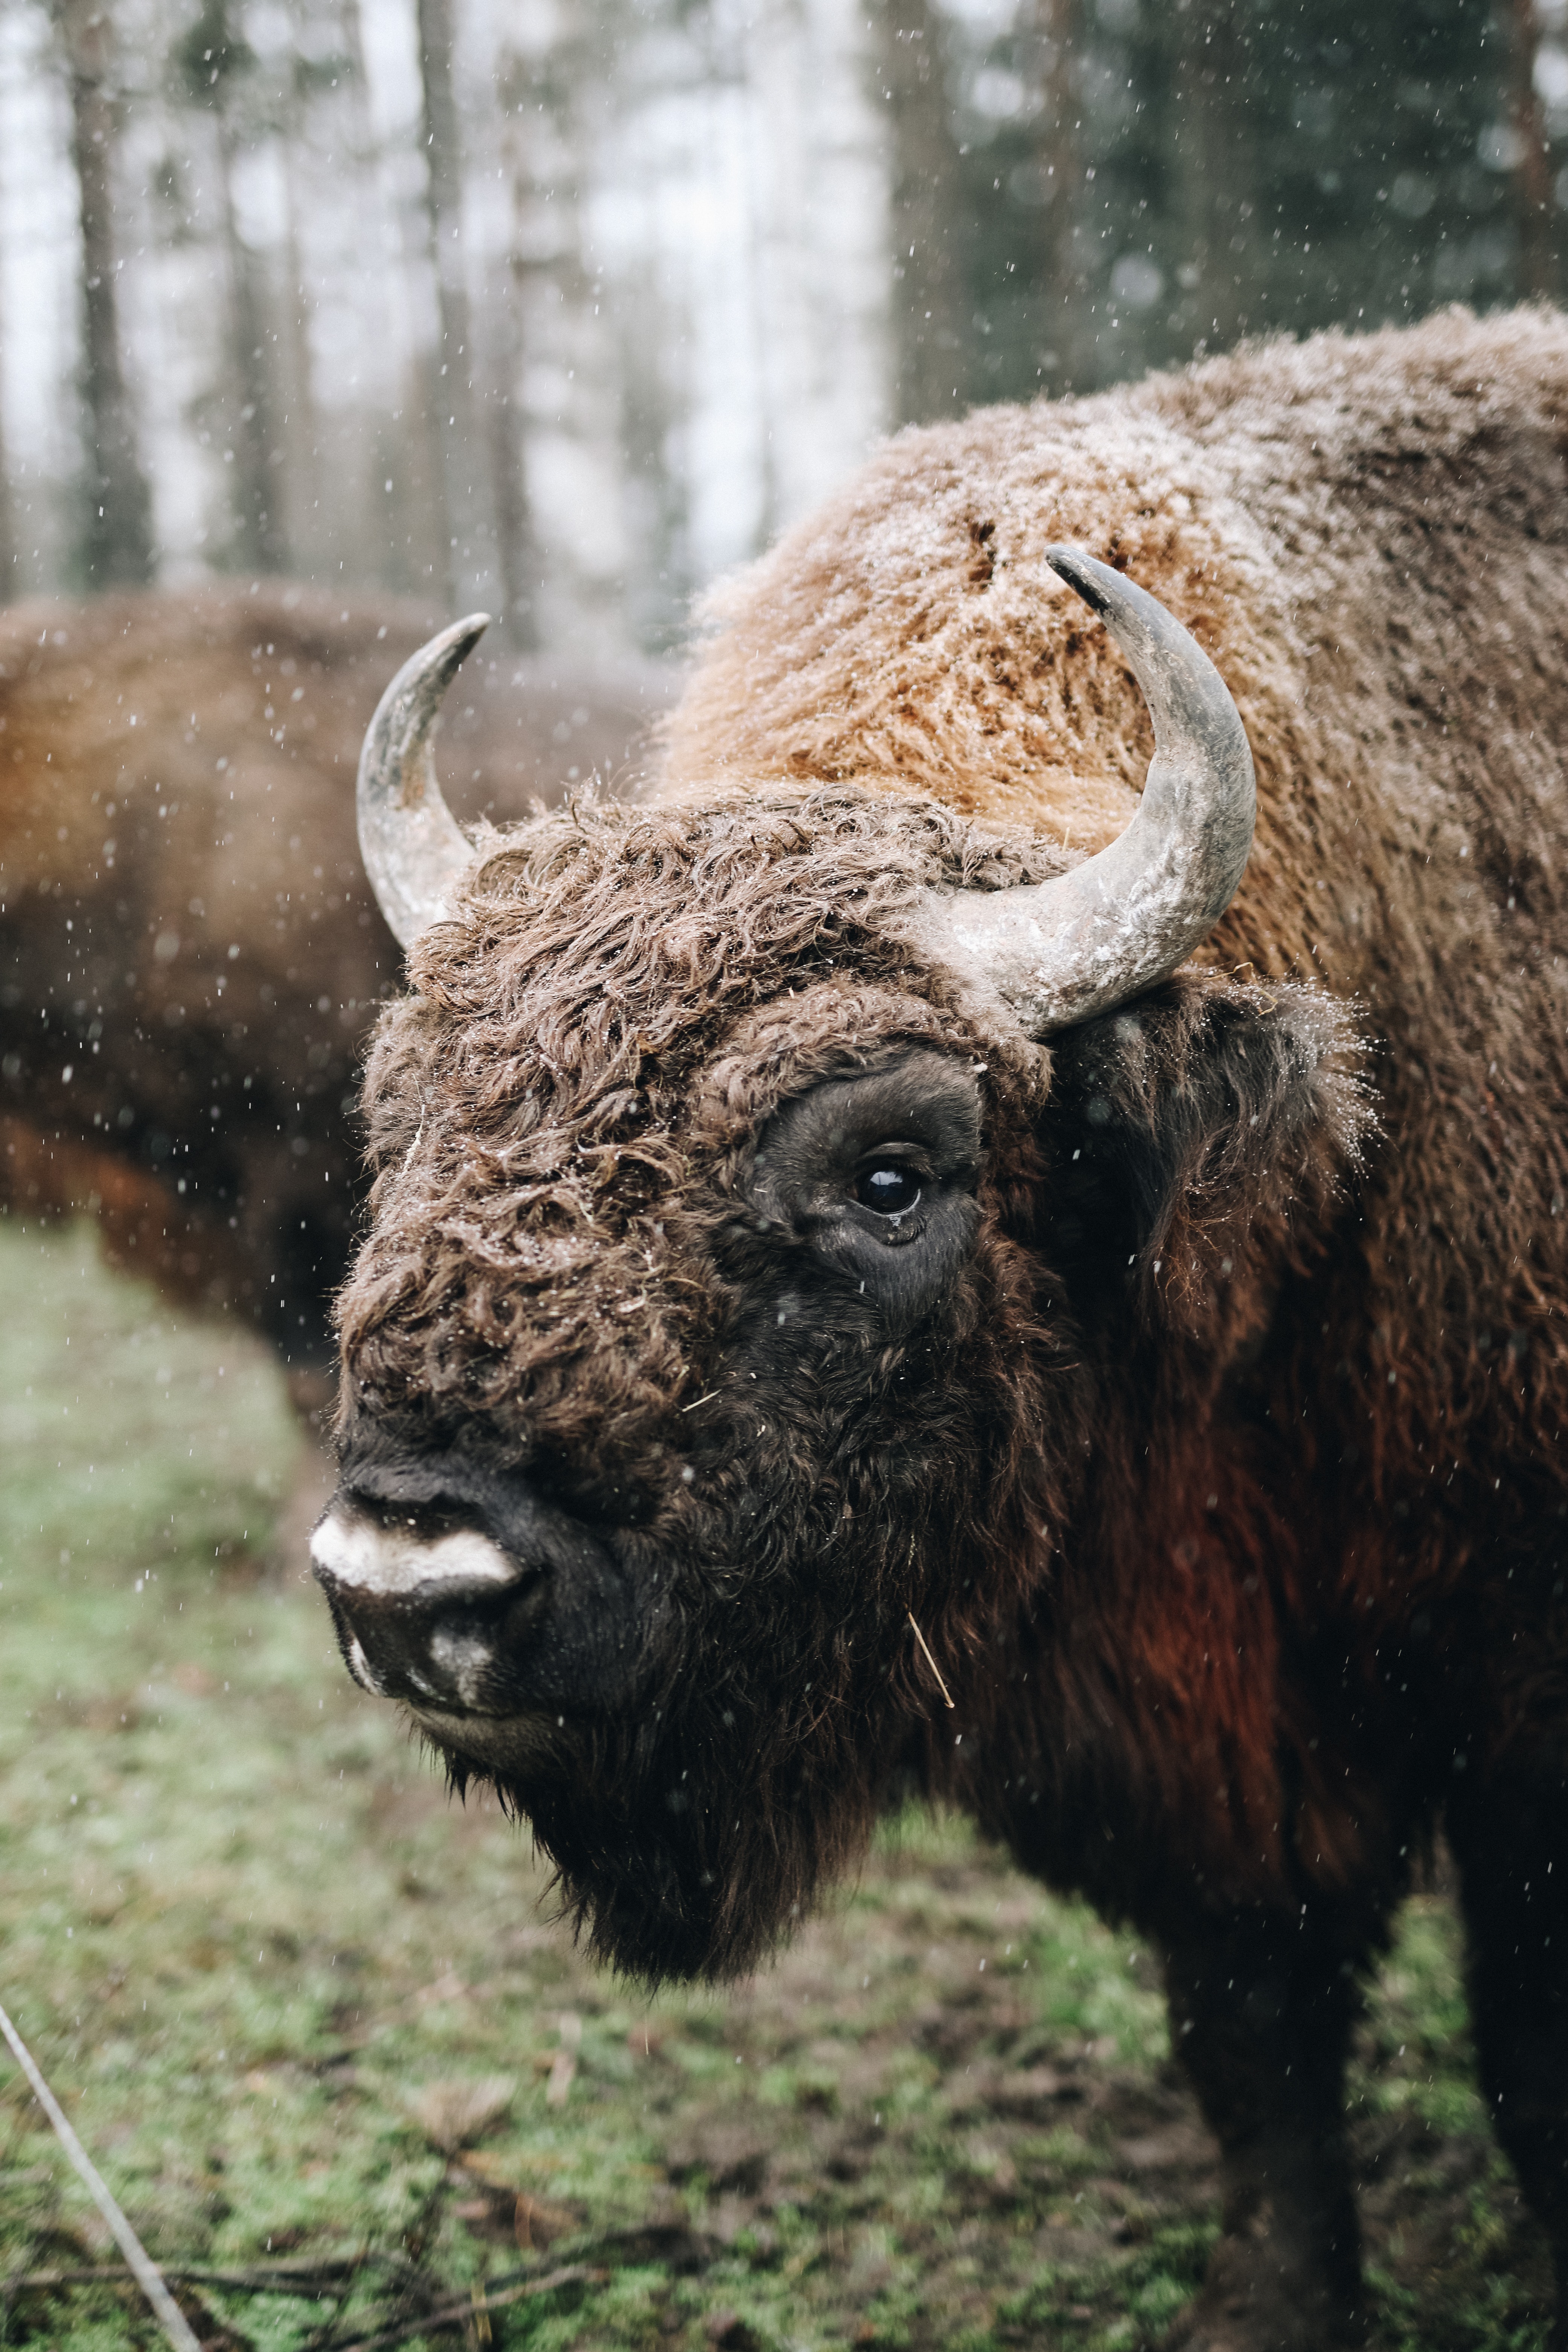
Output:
(314, 2022)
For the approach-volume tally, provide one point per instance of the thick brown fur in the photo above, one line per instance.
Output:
(176, 782)
(1225, 1476)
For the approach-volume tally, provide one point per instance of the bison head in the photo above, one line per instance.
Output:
(725, 1366)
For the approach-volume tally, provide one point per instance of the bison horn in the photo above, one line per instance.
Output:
(413, 846)
(1062, 950)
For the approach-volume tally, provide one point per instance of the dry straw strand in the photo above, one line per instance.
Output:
(930, 1662)
(173, 2320)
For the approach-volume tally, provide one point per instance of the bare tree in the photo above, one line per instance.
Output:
(9, 578)
(298, 494)
(1538, 260)
(214, 60)
(1051, 47)
(929, 307)
(116, 542)
(565, 446)
(459, 388)
(1216, 171)
(516, 549)
(8, 572)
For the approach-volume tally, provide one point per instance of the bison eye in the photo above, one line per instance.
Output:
(887, 1188)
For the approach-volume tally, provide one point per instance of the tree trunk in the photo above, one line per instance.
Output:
(297, 490)
(930, 347)
(118, 538)
(1538, 267)
(261, 543)
(10, 576)
(470, 538)
(1215, 178)
(518, 554)
(1053, 49)
(10, 583)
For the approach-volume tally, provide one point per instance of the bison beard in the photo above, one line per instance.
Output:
(741, 1280)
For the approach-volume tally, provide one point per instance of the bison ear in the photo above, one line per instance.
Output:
(1202, 1140)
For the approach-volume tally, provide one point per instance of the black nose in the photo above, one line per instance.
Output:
(462, 1592)
(428, 1608)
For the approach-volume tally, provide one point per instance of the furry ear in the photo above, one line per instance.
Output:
(1201, 1138)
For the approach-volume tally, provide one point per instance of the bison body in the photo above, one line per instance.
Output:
(745, 1289)
(190, 957)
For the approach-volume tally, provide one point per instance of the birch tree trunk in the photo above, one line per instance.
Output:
(117, 542)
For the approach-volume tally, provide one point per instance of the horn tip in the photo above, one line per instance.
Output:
(465, 634)
(439, 663)
(1084, 574)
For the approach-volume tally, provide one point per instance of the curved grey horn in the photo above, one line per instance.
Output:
(1061, 951)
(413, 846)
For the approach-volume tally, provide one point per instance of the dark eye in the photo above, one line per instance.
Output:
(889, 1188)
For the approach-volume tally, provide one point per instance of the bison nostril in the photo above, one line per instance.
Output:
(466, 1593)
(422, 1606)
(462, 1659)
(404, 1557)
(435, 1647)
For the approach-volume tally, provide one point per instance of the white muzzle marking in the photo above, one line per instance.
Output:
(357, 1555)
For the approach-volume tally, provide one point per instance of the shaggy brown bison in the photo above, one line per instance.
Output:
(189, 955)
(861, 1209)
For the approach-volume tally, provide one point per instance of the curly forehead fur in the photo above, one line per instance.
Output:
(531, 1099)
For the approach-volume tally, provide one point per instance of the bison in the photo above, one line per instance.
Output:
(877, 1215)
(189, 957)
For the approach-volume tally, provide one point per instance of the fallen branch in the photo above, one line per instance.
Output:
(172, 2319)
(460, 2315)
(304, 2277)
(282, 2278)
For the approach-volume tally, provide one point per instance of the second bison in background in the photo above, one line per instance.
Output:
(190, 958)
(819, 1230)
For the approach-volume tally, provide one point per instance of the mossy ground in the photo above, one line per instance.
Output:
(280, 1980)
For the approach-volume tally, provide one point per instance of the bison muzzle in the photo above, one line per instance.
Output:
(904, 1213)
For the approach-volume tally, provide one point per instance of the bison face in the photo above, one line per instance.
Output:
(694, 1342)
(734, 1296)
(497, 1587)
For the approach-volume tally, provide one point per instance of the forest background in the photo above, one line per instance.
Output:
(563, 307)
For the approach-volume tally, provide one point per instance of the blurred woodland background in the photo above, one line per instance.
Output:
(564, 306)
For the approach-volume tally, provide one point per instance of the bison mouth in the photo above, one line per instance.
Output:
(468, 1598)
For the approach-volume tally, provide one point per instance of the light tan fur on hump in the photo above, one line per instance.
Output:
(910, 634)
(1370, 536)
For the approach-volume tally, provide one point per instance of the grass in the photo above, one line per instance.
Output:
(307, 2011)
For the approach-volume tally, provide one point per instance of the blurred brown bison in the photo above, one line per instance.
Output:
(189, 955)
(819, 1230)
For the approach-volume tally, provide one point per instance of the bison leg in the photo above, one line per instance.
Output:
(1261, 2017)
(1509, 1826)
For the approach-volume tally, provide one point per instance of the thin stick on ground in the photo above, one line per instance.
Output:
(172, 2321)
(305, 2279)
(460, 2315)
